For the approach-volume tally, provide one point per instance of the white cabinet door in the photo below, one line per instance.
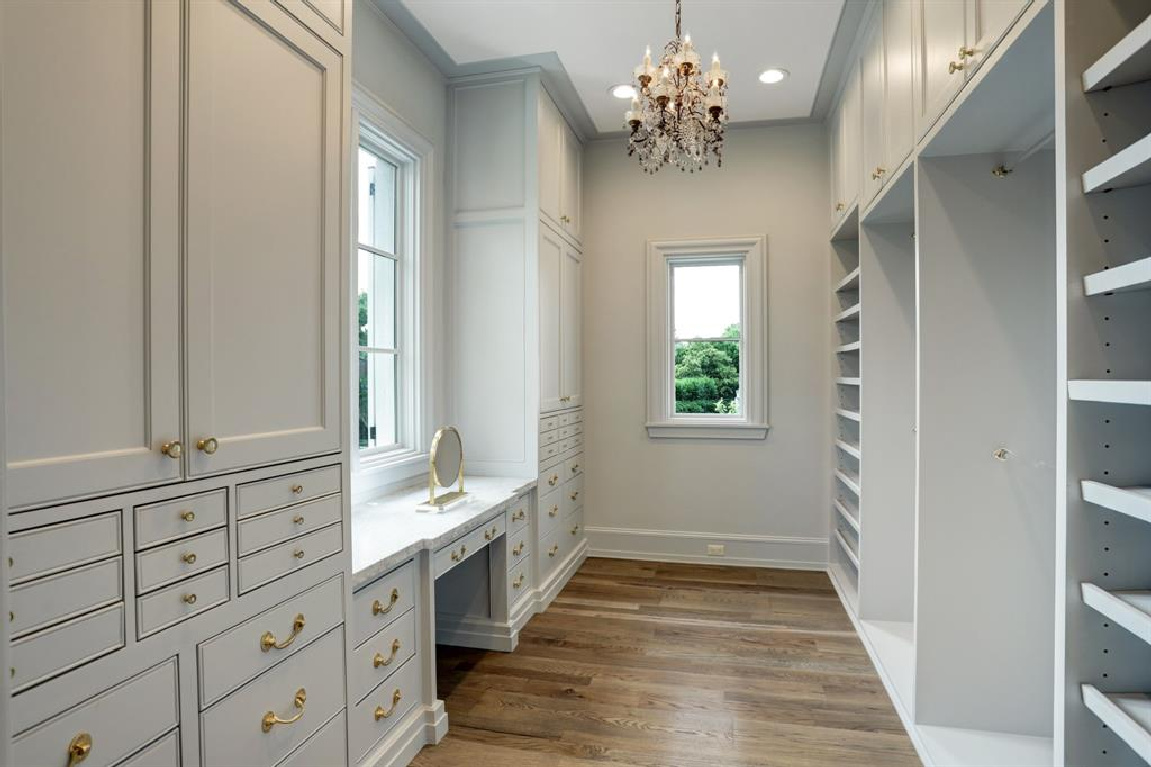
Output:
(551, 259)
(571, 357)
(91, 245)
(871, 67)
(941, 38)
(571, 213)
(834, 142)
(852, 139)
(264, 232)
(899, 64)
(551, 157)
(987, 22)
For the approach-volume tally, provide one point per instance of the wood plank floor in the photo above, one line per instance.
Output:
(658, 665)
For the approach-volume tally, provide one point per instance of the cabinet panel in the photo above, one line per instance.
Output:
(852, 139)
(571, 201)
(987, 21)
(834, 146)
(571, 339)
(941, 36)
(91, 245)
(550, 158)
(263, 238)
(899, 79)
(871, 66)
(551, 297)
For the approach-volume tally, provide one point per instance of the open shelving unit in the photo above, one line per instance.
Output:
(1110, 391)
(1132, 501)
(1129, 277)
(1128, 715)
(1130, 167)
(1125, 63)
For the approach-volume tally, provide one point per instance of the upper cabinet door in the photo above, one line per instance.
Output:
(329, 19)
(550, 157)
(941, 68)
(571, 201)
(871, 66)
(834, 142)
(987, 22)
(264, 232)
(551, 258)
(91, 127)
(571, 282)
(899, 67)
(852, 131)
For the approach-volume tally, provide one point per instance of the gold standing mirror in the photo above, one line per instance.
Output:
(446, 468)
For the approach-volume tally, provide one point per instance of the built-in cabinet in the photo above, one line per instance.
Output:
(560, 321)
(560, 171)
(845, 139)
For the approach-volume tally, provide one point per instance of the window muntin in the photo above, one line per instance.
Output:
(707, 337)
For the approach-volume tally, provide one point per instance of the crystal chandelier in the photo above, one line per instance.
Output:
(679, 111)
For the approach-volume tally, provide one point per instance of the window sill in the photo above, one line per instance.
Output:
(703, 430)
(376, 473)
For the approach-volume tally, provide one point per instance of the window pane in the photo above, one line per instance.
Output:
(377, 201)
(377, 304)
(708, 300)
(377, 400)
(707, 377)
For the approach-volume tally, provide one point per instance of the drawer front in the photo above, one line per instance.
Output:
(232, 732)
(549, 423)
(456, 552)
(163, 753)
(565, 432)
(52, 651)
(377, 714)
(519, 581)
(380, 657)
(49, 600)
(162, 522)
(549, 451)
(549, 438)
(551, 552)
(268, 529)
(519, 547)
(242, 652)
(174, 561)
(492, 529)
(381, 602)
(573, 526)
(180, 601)
(327, 748)
(572, 497)
(551, 511)
(577, 428)
(278, 561)
(150, 698)
(547, 466)
(267, 494)
(573, 467)
(55, 547)
(516, 518)
(565, 419)
(550, 481)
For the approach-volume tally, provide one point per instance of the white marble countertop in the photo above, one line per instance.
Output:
(387, 530)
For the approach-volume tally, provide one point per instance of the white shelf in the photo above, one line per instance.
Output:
(847, 381)
(1128, 62)
(1122, 279)
(847, 447)
(848, 314)
(1127, 714)
(1130, 609)
(850, 415)
(851, 347)
(849, 482)
(841, 507)
(1117, 392)
(850, 282)
(1132, 501)
(843, 544)
(1131, 167)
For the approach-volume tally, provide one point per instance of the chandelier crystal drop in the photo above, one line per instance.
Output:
(679, 112)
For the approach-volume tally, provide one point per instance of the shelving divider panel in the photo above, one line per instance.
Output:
(1129, 167)
(1130, 609)
(1116, 392)
(1128, 62)
(1132, 501)
(1122, 279)
(1128, 715)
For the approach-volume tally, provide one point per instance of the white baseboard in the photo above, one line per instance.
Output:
(691, 548)
(423, 726)
(478, 633)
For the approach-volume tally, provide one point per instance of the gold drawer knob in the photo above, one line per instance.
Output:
(553, 479)
(554, 510)
(458, 555)
(574, 495)
(298, 519)
(79, 748)
(380, 660)
(298, 553)
(188, 516)
(555, 550)
(575, 468)
(955, 66)
(518, 582)
(172, 449)
(188, 558)
(575, 530)
(519, 549)
(270, 719)
(965, 52)
(189, 599)
(297, 489)
(268, 640)
(208, 445)
(380, 609)
(839, 206)
(382, 713)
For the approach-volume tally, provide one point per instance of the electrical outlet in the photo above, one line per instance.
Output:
(715, 549)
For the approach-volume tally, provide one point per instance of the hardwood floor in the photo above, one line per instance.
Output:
(657, 665)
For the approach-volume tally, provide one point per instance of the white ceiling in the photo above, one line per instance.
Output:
(599, 42)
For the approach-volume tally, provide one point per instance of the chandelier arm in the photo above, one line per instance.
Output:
(678, 19)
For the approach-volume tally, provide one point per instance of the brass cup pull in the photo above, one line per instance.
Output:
(553, 479)
(554, 510)
(382, 713)
(298, 519)
(208, 445)
(268, 640)
(519, 549)
(79, 748)
(955, 66)
(172, 449)
(189, 558)
(554, 550)
(379, 609)
(189, 599)
(188, 516)
(518, 582)
(270, 719)
(380, 660)
(298, 553)
(297, 489)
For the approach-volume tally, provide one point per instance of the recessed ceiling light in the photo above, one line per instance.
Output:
(622, 91)
(773, 76)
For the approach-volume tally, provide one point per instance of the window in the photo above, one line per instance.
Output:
(707, 339)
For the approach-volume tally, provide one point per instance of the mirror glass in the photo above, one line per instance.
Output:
(447, 456)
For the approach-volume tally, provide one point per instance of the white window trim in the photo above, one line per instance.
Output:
(662, 420)
(376, 470)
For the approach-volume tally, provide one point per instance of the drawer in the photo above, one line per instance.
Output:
(381, 602)
(49, 600)
(53, 651)
(572, 497)
(550, 481)
(174, 561)
(382, 655)
(268, 529)
(229, 659)
(551, 508)
(47, 549)
(377, 714)
(465, 546)
(151, 700)
(552, 552)
(519, 581)
(547, 465)
(577, 428)
(565, 419)
(180, 601)
(549, 438)
(267, 494)
(549, 451)
(519, 546)
(573, 466)
(549, 423)
(278, 561)
(573, 524)
(565, 432)
(325, 748)
(165, 752)
(162, 522)
(517, 516)
(309, 684)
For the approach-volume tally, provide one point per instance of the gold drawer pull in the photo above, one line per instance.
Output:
(955, 66)
(381, 713)
(490, 535)
(458, 555)
(268, 640)
(519, 549)
(297, 489)
(189, 599)
(553, 479)
(554, 510)
(79, 748)
(554, 551)
(298, 553)
(518, 582)
(575, 530)
(208, 445)
(172, 449)
(575, 468)
(379, 609)
(574, 495)
(298, 519)
(270, 719)
(519, 515)
(188, 516)
(189, 558)
(380, 660)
